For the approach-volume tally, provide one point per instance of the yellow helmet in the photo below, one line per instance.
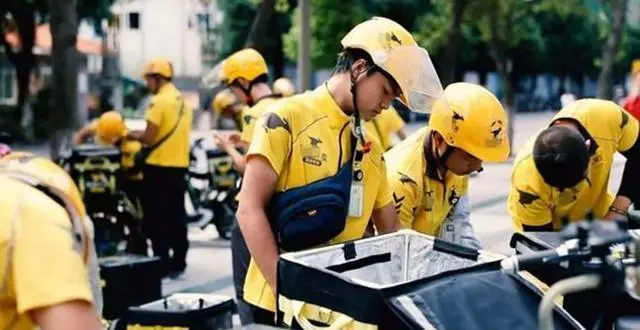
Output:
(284, 87)
(393, 49)
(223, 100)
(159, 67)
(635, 66)
(110, 127)
(246, 63)
(471, 118)
(42, 173)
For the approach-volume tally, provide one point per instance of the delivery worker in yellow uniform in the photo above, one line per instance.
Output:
(49, 276)
(429, 171)
(110, 130)
(284, 87)
(245, 73)
(167, 140)
(563, 172)
(318, 135)
(384, 126)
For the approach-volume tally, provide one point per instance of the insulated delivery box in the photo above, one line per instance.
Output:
(396, 281)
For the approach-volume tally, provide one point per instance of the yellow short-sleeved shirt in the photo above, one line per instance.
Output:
(306, 138)
(422, 203)
(163, 111)
(251, 115)
(384, 126)
(533, 202)
(45, 262)
(128, 150)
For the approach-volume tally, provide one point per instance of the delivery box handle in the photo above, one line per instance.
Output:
(298, 306)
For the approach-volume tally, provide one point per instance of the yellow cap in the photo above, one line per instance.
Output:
(110, 127)
(471, 118)
(394, 50)
(160, 67)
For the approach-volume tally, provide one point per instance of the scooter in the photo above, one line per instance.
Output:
(212, 185)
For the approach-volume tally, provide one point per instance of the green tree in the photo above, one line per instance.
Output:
(22, 16)
(615, 14)
(251, 23)
(328, 25)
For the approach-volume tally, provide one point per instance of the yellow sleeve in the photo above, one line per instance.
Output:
(404, 197)
(628, 131)
(92, 127)
(46, 268)
(155, 111)
(272, 139)
(383, 198)
(248, 124)
(395, 122)
(527, 208)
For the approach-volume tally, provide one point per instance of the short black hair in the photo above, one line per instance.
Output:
(263, 78)
(561, 156)
(347, 57)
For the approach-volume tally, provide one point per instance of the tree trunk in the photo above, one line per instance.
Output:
(260, 23)
(22, 59)
(453, 43)
(605, 80)
(503, 64)
(64, 115)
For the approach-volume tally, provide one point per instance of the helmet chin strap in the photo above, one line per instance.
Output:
(246, 91)
(356, 112)
(442, 158)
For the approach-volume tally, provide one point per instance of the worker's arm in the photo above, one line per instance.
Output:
(71, 315)
(154, 116)
(148, 136)
(629, 147)
(258, 186)
(85, 133)
(224, 143)
(265, 160)
(384, 213)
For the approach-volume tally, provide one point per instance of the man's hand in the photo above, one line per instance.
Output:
(222, 141)
(618, 209)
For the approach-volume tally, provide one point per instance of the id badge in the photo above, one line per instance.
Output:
(356, 200)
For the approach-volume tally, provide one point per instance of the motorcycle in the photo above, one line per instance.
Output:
(212, 186)
(117, 216)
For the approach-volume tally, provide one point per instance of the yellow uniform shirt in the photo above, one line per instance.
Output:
(422, 203)
(251, 115)
(163, 111)
(128, 150)
(532, 202)
(45, 264)
(306, 138)
(383, 126)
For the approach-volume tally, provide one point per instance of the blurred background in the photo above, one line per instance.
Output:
(63, 62)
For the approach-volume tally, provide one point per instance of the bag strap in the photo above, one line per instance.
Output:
(173, 129)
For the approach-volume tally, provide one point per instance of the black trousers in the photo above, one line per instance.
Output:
(240, 258)
(164, 215)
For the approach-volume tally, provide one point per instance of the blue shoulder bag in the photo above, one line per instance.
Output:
(313, 214)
